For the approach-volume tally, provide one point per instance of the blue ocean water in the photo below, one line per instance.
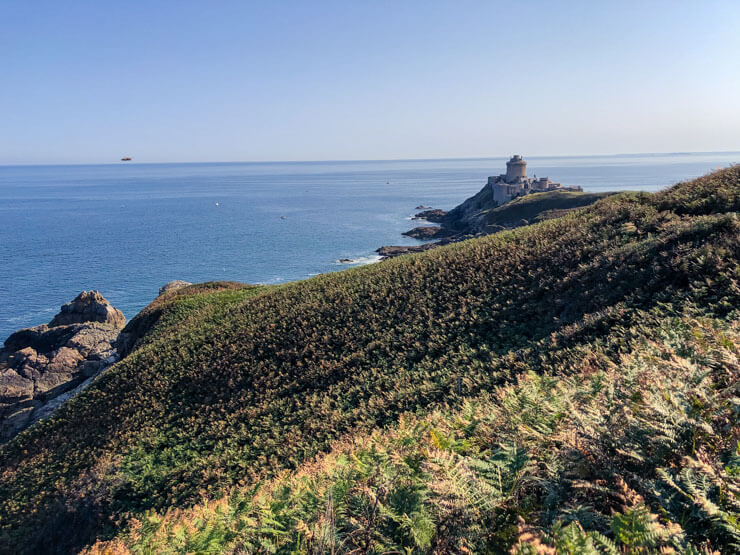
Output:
(126, 229)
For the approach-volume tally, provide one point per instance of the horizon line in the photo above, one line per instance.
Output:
(350, 160)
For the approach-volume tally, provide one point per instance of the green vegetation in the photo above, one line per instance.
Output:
(191, 305)
(569, 385)
(481, 214)
(591, 461)
(532, 207)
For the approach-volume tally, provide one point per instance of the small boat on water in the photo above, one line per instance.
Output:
(126, 159)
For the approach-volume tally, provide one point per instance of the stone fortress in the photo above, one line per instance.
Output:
(515, 183)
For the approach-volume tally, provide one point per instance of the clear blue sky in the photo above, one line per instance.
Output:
(91, 81)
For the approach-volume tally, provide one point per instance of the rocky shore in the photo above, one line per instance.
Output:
(397, 250)
(429, 232)
(436, 234)
(44, 366)
(482, 215)
(433, 215)
(40, 366)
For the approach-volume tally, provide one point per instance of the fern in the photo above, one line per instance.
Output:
(690, 493)
(574, 539)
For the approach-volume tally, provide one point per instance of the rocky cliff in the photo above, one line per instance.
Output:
(482, 215)
(41, 367)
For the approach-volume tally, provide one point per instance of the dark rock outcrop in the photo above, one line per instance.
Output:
(89, 306)
(435, 216)
(392, 250)
(428, 232)
(38, 365)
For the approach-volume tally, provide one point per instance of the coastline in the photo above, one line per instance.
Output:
(333, 211)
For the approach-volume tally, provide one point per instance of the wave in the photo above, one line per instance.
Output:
(362, 260)
(276, 279)
(30, 315)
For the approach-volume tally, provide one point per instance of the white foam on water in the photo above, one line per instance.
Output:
(272, 281)
(362, 260)
(31, 315)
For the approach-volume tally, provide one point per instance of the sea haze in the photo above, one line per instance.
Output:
(126, 229)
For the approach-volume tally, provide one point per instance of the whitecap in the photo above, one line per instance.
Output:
(362, 260)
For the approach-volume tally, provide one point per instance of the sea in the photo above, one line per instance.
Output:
(126, 229)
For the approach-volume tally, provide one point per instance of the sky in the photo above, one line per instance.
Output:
(196, 81)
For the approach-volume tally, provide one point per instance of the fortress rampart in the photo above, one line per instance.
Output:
(515, 182)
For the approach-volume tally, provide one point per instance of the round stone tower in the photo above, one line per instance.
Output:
(516, 168)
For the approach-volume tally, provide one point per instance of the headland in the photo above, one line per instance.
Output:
(506, 201)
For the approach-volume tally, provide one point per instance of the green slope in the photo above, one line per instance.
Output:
(590, 458)
(481, 214)
(229, 386)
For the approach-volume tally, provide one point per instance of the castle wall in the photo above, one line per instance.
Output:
(515, 182)
(504, 192)
(500, 193)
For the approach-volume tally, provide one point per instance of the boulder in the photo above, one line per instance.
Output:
(173, 286)
(27, 362)
(41, 338)
(89, 306)
(13, 387)
(94, 341)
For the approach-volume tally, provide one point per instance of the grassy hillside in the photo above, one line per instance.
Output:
(228, 386)
(632, 456)
(539, 206)
(481, 214)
